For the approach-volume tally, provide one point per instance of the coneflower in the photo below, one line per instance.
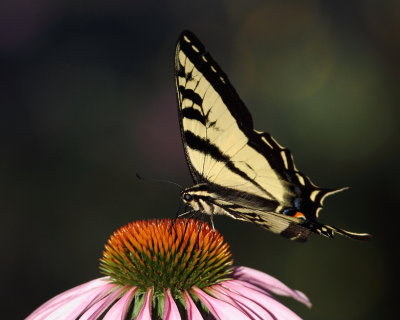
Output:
(171, 269)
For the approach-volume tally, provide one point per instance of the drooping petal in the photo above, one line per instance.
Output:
(74, 302)
(220, 309)
(251, 308)
(171, 311)
(120, 308)
(66, 296)
(145, 312)
(192, 312)
(96, 310)
(267, 282)
(274, 307)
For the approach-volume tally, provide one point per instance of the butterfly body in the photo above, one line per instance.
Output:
(239, 171)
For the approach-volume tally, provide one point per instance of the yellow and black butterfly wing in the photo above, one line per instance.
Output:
(246, 171)
(217, 128)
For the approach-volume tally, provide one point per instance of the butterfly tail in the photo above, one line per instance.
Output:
(329, 231)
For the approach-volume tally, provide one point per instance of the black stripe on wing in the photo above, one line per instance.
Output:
(197, 143)
(193, 114)
(191, 95)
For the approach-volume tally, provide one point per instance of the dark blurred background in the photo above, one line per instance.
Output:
(87, 100)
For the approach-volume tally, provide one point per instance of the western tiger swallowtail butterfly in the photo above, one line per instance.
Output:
(239, 171)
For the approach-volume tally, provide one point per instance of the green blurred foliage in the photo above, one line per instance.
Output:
(87, 101)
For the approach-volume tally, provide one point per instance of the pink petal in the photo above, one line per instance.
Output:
(192, 312)
(96, 310)
(119, 309)
(267, 282)
(145, 312)
(220, 309)
(72, 303)
(251, 308)
(67, 295)
(274, 307)
(171, 311)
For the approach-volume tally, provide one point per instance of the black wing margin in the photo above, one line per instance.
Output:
(219, 80)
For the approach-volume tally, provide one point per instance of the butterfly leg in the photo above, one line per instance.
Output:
(212, 221)
(189, 213)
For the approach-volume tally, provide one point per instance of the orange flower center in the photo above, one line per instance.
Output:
(165, 253)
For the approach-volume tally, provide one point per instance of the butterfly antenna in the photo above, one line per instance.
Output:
(159, 180)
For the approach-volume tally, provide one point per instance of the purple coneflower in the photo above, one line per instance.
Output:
(171, 269)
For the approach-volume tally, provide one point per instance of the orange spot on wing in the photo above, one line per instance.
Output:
(299, 215)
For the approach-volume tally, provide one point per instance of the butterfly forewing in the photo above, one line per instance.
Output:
(212, 120)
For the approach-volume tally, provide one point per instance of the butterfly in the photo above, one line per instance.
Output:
(239, 171)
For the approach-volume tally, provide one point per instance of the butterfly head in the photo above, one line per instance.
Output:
(187, 197)
(190, 198)
(201, 199)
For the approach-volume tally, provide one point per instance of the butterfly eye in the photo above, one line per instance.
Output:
(187, 197)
